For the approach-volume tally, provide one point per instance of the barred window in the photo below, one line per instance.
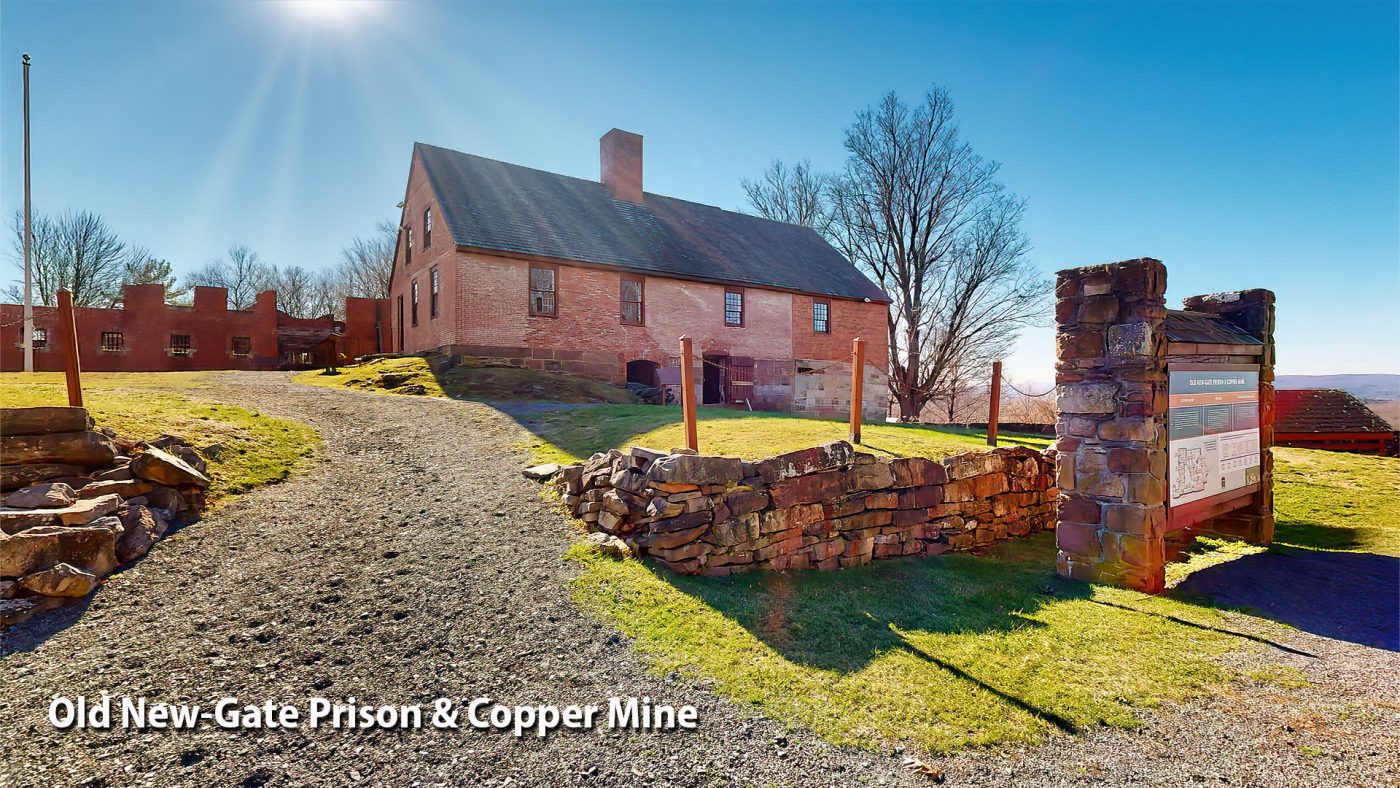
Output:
(113, 341)
(542, 290)
(242, 346)
(179, 344)
(427, 227)
(40, 338)
(633, 311)
(433, 292)
(733, 307)
(821, 317)
(413, 301)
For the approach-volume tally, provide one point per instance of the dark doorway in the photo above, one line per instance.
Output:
(643, 372)
(399, 324)
(714, 391)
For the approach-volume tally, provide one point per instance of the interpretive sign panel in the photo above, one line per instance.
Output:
(1213, 443)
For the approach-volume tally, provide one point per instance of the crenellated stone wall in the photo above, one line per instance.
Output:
(826, 507)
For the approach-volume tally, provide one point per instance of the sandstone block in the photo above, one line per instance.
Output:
(88, 509)
(811, 488)
(1130, 339)
(44, 420)
(1087, 398)
(89, 547)
(88, 449)
(742, 502)
(1078, 539)
(47, 495)
(1099, 309)
(12, 521)
(13, 477)
(63, 580)
(696, 469)
(629, 479)
(828, 456)
(162, 467)
(872, 476)
(673, 539)
(916, 471)
(129, 488)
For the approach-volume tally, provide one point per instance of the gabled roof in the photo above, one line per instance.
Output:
(489, 204)
(1184, 326)
(1324, 411)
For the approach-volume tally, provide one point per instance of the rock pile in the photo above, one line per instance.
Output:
(821, 508)
(80, 502)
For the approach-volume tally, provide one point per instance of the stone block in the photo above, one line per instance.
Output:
(828, 456)
(1131, 339)
(1105, 484)
(1078, 539)
(44, 420)
(1142, 430)
(921, 497)
(872, 476)
(821, 486)
(1079, 509)
(1145, 488)
(1099, 309)
(742, 502)
(1080, 342)
(915, 471)
(696, 469)
(673, 539)
(1087, 398)
(91, 548)
(88, 449)
(882, 500)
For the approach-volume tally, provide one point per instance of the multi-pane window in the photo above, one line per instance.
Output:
(427, 227)
(407, 246)
(633, 310)
(242, 346)
(733, 307)
(113, 341)
(179, 344)
(413, 301)
(40, 338)
(433, 292)
(542, 290)
(821, 317)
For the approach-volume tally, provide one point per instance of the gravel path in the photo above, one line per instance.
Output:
(413, 561)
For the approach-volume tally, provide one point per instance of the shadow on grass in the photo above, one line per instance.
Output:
(843, 620)
(1346, 596)
(1317, 536)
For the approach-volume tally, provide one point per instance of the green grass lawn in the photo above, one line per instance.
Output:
(467, 381)
(568, 436)
(941, 653)
(258, 449)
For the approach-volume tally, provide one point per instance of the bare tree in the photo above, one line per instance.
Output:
(925, 216)
(295, 292)
(367, 263)
(242, 273)
(78, 251)
(794, 194)
(328, 294)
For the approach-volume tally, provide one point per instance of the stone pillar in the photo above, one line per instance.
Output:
(1111, 413)
(1253, 311)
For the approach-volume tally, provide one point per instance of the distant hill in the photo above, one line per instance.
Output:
(1366, 387)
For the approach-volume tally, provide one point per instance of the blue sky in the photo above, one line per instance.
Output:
(1245, 145)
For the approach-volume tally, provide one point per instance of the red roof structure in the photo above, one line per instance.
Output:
(1330, 419)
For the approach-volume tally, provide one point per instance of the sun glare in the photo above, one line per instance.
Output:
(335, 11)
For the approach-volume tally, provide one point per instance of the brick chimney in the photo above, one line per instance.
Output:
(622, 164)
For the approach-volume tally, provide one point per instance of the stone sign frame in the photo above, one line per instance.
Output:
(1112, 404)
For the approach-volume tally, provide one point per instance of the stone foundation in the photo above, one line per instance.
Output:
(826, 507)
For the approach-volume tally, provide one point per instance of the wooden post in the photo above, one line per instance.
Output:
(994, 412)
(692, 438)
(857, 384)
(68, 333)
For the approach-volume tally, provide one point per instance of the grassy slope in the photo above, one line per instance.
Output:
(504, 384)
(960, 650)
(259, 449)
(573, 435)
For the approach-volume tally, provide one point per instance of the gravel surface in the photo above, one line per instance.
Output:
(414, 562)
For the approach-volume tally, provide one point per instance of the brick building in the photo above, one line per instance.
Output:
(601, 279)
(145, 334)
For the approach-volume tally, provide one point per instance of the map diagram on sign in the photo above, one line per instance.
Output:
(1213, 443)
(1190, 473)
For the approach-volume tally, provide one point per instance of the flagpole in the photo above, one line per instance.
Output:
(28, 238)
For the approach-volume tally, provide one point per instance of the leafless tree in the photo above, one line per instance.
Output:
(328, 294)
(366, 264)
(241, 272)
(794, 194)
(925, 216)
(295, 292)
(78, 251)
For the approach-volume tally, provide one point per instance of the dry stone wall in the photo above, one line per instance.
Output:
(827, 507)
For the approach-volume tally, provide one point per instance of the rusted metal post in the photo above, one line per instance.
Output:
(857, 384)
(994, 412)
(692, 438)
(68, 329)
